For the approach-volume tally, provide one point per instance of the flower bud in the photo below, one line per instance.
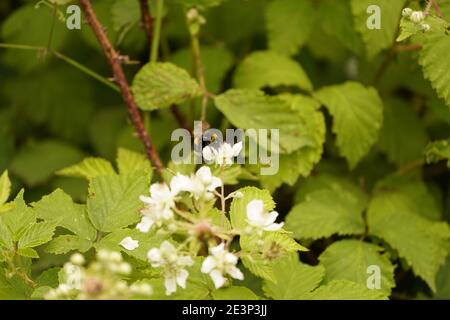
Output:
(407, 12)
(77, 259)
(417, 16)
(425, 27)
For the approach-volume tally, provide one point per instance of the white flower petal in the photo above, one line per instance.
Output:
(217, 250)
(274, 227)
(215, 183)
(182, 276)
(154, 255)
(204, 174)
(256, 206)
(230, 258)
(180, 183)
(129, 243)
(185, 261)
(171, 285)
(208, 265)
(271, 217)
(145, 225)
(208, 153)
(217, 278)
(235, 273)
(237, 148)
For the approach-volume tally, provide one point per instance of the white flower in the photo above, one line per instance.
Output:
(223, 155)
(200, 185)
(158, 209)
(203, 184)
(168, 258)
(260, 219)
(129, 243)
(407, 12)
(220, 263)
(417, 16)
(160, 195)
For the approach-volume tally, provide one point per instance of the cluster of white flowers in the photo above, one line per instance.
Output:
(161, 212)
(222, 156)
(159, 207)
(417, 17)
(174, 264)
(102, 279)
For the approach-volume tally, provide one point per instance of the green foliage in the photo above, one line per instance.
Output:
(269, 69)
(357, 116)
(163, 84)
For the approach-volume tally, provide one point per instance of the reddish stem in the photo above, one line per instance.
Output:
(114, 60)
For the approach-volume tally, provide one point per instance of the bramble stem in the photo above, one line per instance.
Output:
(114, 60)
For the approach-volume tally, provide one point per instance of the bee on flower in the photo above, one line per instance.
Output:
(222, 156)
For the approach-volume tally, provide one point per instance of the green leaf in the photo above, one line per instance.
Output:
(327, 211)
(377, 40)
(160, 85)
(28, 253)
(216, 62)
(289, 25)
(89, 168)
(66, 243)
(234, 293)
(270, 69)
(146, 242)
(113, 200)
(252, 109)
(59, 208)
(302, 161)
(402, 125)
(336, 20)
(5, 188)
(437, 151)
(350, 259)
(416, 194)
(435, 65)
(293, 280)
(6, 239)
(37, 234)
(130, 161)
(345, 290)
(357, 117)
(125, 14)
(36, 163)
(19, 217)
(391, 217)
(258, 265)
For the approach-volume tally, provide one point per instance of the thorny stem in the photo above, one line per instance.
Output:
(114, 60)
(147, 20)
